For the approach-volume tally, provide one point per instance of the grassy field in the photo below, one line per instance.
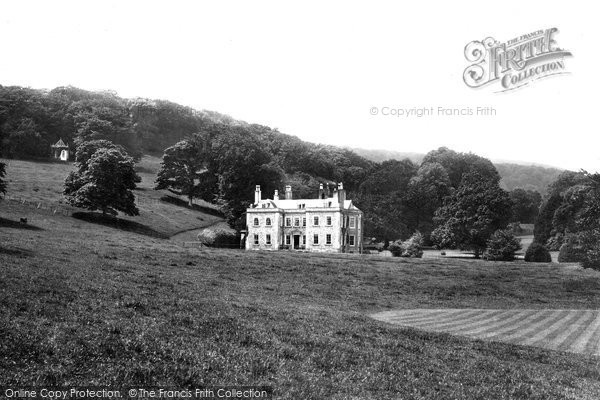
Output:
(162, 214)
(87, 304)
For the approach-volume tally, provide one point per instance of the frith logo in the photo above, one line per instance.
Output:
(516, 62)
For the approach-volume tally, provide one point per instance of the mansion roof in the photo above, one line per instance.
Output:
(300, 204)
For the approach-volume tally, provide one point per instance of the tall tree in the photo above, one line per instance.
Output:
(239, 164)
(526, 204)
(184, 170)
(472, 214)
(104, 182)
(425, 193)
(458, 164)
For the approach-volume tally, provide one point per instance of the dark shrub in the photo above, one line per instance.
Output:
(412, 247)
(502, 246)
(571, 251)
(537, 253)
(395, 248)
(590, 242)
(220, 235)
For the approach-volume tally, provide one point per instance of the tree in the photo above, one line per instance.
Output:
(103, 182)
(2, 175)
(471, 214)
(184, 170)
(240, 163)
(526, 204)
(502, 246)
(560, 209)
(459, 164)
(537, 252)
(425, 193)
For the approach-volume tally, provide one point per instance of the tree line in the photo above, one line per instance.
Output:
(452, 198)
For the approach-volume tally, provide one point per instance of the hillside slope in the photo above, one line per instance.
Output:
(90, 305)
(162, 214)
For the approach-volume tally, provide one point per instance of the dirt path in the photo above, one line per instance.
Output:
(576, 331)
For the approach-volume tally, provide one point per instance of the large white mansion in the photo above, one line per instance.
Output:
(325, 224)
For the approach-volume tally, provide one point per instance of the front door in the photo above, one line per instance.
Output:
(296, 241)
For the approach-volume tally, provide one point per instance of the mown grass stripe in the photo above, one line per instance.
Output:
(489, 318)
(572, 333)
(550, 331)
(542, 327)
(587, 336)
(475, 318)
(439, 324)
(491, 330)
(448, 316)
(517, 333)
(478, 332)
(549, 341)
(593, 344)
(563, 330)
(440, 313)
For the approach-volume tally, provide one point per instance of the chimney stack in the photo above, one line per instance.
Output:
(288, 192)
(257, 196)
(341, 194)
(276, 195)
(321, 191)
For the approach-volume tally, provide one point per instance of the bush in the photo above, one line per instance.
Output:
(220, 235)
(571, 250)
(583, 247)
(395, 248)
(554, 242)
(412, 247)
(537, 253)
(502, 246)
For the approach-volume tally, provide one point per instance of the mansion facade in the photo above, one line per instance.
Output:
(329, 223)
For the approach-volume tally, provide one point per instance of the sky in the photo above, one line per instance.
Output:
(329, 72)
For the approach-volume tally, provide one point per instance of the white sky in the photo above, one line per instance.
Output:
(314, 69)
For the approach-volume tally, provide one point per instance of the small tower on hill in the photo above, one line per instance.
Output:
(61, 150)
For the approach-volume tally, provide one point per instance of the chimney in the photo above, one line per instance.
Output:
(257, 196)
(276, 195)
(321, 191)
(341, 194)
(288, 192)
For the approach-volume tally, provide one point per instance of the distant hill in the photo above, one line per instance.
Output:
(514, 175)
(527, 176)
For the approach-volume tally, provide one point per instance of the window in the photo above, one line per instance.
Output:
(351, 241)
(268, 239)
(328, 239)
(287, 239)
(316, 239)
(352, 222)
(328, 221)
(304, 240)
(255, 221)
(296, 221)
(303, 221)
(256, 240)
(288, 222)
(268, 222)
(316, 221)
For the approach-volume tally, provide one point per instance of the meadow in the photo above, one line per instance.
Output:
(89, 304)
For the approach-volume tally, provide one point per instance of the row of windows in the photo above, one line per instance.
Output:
(288, 239)
(288, 221)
